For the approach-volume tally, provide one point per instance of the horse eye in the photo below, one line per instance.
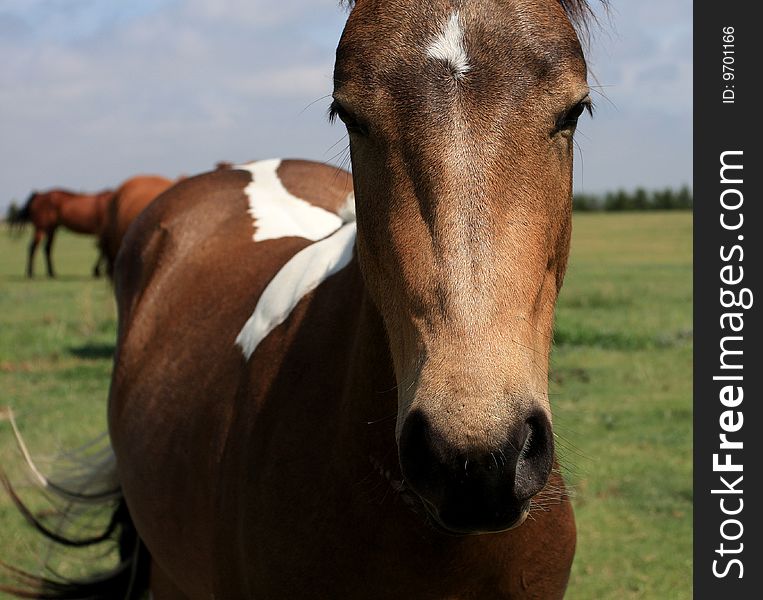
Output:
(568, 120)
(350, 121)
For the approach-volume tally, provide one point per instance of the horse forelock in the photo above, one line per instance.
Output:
(579, 12)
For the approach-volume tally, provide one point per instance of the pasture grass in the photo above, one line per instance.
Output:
(620, 388)
(622, 401)
(56, 346)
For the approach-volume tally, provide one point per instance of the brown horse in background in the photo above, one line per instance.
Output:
(46, 211)
(129, 200)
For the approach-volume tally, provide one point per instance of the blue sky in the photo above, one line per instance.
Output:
(94, 91)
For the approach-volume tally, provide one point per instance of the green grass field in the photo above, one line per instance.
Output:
(621, 391)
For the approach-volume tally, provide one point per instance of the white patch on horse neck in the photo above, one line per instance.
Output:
(347, 212)
(304, 272)
(449, 47)
(277, 213)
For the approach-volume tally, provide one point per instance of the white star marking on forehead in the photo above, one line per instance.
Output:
(449, 47)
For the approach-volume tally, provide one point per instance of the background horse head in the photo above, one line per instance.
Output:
(460, 117)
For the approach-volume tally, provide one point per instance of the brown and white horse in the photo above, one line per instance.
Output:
(129, 200)
(309, 405)
(47, 211)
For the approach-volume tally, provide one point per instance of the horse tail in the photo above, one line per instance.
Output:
(108, 236)
(18, 217)
(88, 486)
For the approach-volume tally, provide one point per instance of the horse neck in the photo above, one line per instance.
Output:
(369, 402)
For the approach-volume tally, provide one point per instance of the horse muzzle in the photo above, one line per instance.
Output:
(471, 491)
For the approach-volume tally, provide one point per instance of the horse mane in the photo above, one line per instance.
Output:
(580, 12)
(581, 15)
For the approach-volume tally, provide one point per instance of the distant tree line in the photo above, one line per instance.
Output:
(639, 199)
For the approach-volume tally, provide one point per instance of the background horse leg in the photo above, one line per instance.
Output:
(36, 239)
(48, 249)
(97, 266)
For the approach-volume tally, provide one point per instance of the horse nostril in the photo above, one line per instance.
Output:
(535, 457)
(482, 467)
(536, 440)
(419, 460)
(476, 488)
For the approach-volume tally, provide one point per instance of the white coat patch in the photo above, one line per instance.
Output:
(309, 267)
(278, 213)
(306, 270)
(449, 47)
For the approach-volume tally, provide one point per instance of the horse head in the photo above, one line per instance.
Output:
(461, 118)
